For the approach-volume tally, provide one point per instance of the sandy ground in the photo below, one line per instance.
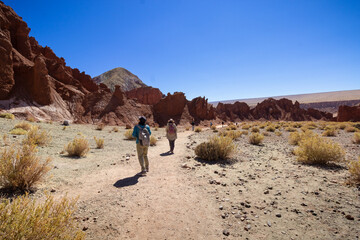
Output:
(264, 194)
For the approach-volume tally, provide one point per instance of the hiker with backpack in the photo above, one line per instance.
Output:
(142, 134)
(171, 134)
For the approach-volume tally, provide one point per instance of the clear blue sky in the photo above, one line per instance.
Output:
(224, 49)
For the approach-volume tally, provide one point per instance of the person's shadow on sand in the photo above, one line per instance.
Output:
(129, 181)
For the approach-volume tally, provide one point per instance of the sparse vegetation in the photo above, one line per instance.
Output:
(7, 115)
(18, 131)
(100, 126)
(24, 218)
(290, 129)
(37, 137)
(30, 119)
(213, 127)
(99, 142)
(20, 168)
(231, 134)
(246, 127)
(24, 125)
(278, 133)
(255, 129)
(187, 128)
(342, 125)
(270, 128)
(5, 140)
(256, 138)
(115, 129)
(215, 149)
(356, 138)
(198, 129)
(350, 129)
(79, 147)
(153, 141)
(314, 149)
(354, 169)
(128, 135)
(329, 132)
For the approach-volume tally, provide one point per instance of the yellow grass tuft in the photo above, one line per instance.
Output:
(356, 138)
(213, 127)
(128, 134)
(255, 129)
(270, 128)
(290, 129)
(5, 140)
(329, 132)
(187, 128)
(314, 149)
(198, 129)
(18, 131)
(256, 138)
(20, 168)
(153, 141)
(246, 127)
(278, 133)
(100, 126)
(115, 129)
(24, 218)
(78, 147)
(24, 125)
(215, 149)
(342, 125)
(37, 137)
(7, 115)
(354, 169)
(99, 142)
(30, 119)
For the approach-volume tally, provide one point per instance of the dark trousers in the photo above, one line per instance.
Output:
(172, 145)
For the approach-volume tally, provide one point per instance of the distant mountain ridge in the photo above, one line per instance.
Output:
(119, 76)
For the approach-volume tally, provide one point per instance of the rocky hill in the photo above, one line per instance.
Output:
(119, 76)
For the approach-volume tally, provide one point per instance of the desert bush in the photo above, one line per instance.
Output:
(297, 125)
(354, 169)
(5, 139)
(314, 149)
(342, 125)
(350, 129)
(290, 129)
(294, 138)
(78, 147)
(215, 149)
(356, 138)
(231, 134)
(187, 128)
(24, 125)
(256, 138)
(153, 141)
(245, 132)
(18, 131)
(30, 119)
(128, 135)
(278, 133)
(115, 129)
(198, 129)
(7, 115)
(255, 129)
(246, 127)
(20, 168)
(37, 137)
(24, 218)
(127, 126)
(270, 128)
(156, 128)
(213, 127)
(329, 132)
(232, 127)
(100, 126)
(263, 125)
(99, 142)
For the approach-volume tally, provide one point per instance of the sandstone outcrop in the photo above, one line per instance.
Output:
(172, 106)
(233, 112)
(145, 95)
(346, 113)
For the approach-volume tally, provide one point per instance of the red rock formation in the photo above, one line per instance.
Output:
(145, 95)
(346, 113)
(172, 106)
(233, 112)
(200, 110)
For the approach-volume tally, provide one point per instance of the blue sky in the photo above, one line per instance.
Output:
(226, 49)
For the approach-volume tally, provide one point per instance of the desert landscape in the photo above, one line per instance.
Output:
(283, 167)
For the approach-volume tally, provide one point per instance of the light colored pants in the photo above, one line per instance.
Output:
(142, 155)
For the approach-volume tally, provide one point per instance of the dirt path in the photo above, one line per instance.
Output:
(116, 203)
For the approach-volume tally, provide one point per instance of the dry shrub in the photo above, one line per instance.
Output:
(128, 135)
(342, 125)
(24, 125)
(18, 131)
(354, 169)
(314, 149)
(245, 132)
(297, 125)
(350, 129)
(215, 149)
(295, 137)
(37, 137)
(127, 126)
(255, 129)
(99, 142)
(5, 140)
(156, 128)
(115, 129)
(198, 129)
(100, 126)
(187, 128)
(278, 133)
(231, 134)
(356, 138)
(24, 218)
(213, 127)
(78, 147)
(256, 138)
(329, 132)
(232, 127)
(290, 129)
(7, 115)
(246, 127)
(270, 128)
(153, 141)
(266, 134)
(20, 168)
(30, 119)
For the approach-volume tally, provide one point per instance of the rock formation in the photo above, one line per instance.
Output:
(145, 95)
(121, 77)
(347, 113)
(233, 112)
